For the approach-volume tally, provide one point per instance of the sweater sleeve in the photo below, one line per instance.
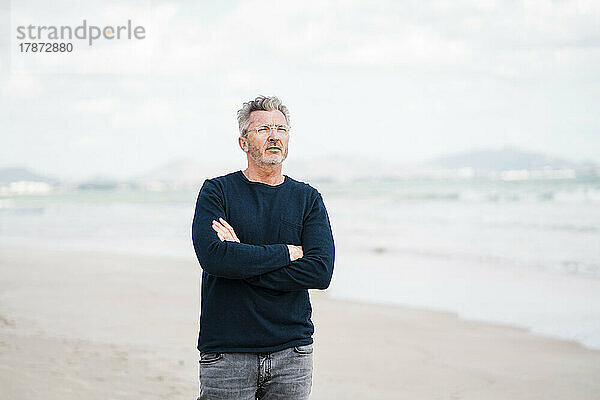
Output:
(227, 259)
(315, 269)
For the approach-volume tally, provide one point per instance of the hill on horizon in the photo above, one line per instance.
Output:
(507, 158)
(192, 172)
(20, 173)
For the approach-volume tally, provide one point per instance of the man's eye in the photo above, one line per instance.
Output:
(282, 129)
(263, 129)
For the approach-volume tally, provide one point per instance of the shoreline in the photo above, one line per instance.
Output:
(93, 323)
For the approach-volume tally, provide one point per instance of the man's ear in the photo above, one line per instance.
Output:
(243, 142)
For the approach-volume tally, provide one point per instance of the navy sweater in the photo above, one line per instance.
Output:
(253, 299)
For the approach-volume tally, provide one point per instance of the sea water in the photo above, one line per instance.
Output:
(524, 253)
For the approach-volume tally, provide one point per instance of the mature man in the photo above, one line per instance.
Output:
(262, 239)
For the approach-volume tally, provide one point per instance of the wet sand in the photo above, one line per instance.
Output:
(94, 325)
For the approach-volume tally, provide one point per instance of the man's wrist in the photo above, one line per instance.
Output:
(295, 252)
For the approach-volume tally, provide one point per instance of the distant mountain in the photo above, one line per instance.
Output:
(180, 173)
(488, 162)
(16, 174)
(339, 168)
(192, 173)
(508, 158)
(98, 182)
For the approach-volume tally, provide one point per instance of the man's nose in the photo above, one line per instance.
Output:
(274, 134)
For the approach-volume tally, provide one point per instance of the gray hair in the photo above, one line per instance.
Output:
(261, 103)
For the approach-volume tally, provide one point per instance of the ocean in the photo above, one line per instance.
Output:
(523, 252)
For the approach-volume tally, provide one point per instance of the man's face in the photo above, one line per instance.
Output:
(269, 149)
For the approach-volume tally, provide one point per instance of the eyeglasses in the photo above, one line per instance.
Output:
(266, 129)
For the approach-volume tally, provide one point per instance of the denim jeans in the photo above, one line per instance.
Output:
(279, 375)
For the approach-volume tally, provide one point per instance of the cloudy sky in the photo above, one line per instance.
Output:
(401, 81)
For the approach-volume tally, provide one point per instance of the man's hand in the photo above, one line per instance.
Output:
(224, 231)
(295, 252)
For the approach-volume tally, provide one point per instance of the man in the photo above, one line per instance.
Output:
(262, 239)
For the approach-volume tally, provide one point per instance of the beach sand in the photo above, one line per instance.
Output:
(77, 324)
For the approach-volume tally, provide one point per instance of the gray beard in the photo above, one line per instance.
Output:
(256, 156)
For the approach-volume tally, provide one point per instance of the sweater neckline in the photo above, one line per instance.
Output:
(245, 179)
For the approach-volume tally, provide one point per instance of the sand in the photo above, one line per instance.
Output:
(94, 325)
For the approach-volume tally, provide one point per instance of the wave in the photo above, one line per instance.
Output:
(569, 266)
(577, 197)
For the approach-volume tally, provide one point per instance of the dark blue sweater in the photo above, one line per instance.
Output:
(253, 299)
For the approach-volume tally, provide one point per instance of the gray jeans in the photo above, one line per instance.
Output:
(284, 374)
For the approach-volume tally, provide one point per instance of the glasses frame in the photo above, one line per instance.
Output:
(270, 128)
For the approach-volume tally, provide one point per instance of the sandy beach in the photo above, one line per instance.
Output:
(76, 324)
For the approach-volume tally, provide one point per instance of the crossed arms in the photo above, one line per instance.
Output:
(226, 232)
(274, 266)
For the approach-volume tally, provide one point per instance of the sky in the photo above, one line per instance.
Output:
(399, 81)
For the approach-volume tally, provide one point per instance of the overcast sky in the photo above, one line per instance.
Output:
(403, 81)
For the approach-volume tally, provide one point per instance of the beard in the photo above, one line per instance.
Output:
(260, 157)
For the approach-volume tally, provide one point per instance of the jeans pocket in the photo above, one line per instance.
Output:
(304, 349)
(210, 358)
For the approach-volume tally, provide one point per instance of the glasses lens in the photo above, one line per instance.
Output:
(265, 129)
